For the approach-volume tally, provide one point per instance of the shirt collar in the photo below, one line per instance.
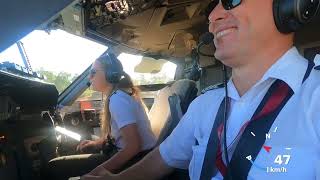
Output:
(290, 68)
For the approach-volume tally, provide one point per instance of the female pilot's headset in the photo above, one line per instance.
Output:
(289, 15)
(114, 70)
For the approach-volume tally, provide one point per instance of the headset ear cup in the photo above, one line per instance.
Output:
(307, 9)
(114, 71)
(284, 16)
(276, 15)
(291, 15)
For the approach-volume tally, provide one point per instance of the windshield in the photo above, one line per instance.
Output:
(165, 75)
(59, 56)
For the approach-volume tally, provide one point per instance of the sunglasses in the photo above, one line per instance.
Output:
(227, 4)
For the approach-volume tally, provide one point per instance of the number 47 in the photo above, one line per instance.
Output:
(282, 158)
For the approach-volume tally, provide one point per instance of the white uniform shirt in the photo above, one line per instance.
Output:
(297, 126)
(125, 110)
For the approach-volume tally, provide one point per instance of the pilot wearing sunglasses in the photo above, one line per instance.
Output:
(271, 103)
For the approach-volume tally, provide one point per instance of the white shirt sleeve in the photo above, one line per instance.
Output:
(176, 150)
(122, 109)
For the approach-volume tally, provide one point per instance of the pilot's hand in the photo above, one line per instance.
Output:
(88, 146)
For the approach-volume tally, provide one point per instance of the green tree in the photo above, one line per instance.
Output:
(61, 80)
(141, 80)
(159, 79)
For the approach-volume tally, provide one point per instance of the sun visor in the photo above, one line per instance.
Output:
(18, 18)
(149, 65)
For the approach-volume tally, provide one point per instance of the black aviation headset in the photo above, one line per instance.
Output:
(114, 70)
(291, 15)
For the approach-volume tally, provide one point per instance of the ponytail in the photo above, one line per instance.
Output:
(126, 85)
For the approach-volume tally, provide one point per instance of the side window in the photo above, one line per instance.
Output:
(59, 56)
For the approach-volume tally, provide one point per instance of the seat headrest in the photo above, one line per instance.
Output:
(160, 110)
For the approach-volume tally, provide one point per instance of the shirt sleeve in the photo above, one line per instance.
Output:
(122, 110)
(176, 150)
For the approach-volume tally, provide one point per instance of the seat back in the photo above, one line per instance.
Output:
(181, 93)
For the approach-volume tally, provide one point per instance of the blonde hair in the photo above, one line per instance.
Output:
(125, 84)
